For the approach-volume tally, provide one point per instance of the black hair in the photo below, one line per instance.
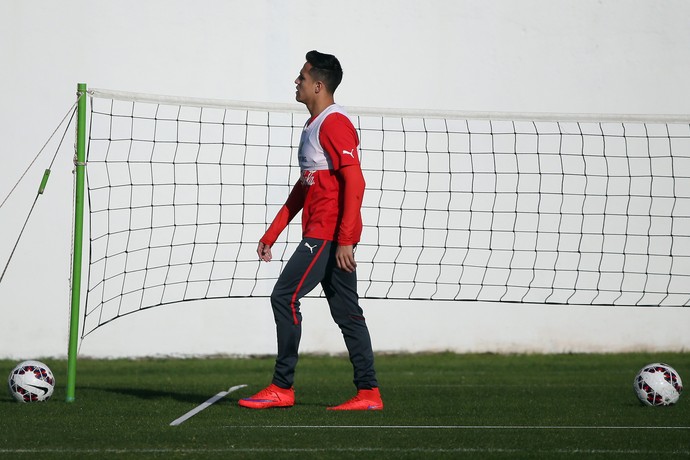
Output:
(326, 68)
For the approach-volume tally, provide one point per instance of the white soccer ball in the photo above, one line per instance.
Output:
(31, 381)
(658, 384)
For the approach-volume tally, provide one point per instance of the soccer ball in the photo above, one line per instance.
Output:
(658, 384)
(31, 381)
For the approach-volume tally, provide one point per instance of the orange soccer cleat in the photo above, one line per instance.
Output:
(271, 396)
(364, 400)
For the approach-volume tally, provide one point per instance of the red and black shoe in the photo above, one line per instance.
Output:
(364, 400)
(271, 396)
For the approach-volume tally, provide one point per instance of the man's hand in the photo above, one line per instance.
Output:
(264, 252)
(345, 258)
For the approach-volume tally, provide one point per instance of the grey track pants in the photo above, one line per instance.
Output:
(312, 263)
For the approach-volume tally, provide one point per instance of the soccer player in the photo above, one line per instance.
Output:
(329, 193)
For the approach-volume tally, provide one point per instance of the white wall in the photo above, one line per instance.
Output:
(605, 56)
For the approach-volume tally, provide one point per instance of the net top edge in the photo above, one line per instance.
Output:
(397, 112)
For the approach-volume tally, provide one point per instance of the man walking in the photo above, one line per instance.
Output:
(329, 193)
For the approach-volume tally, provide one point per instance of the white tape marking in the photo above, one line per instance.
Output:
(204, 405)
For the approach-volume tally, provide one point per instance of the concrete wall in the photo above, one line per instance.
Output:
(605, 56)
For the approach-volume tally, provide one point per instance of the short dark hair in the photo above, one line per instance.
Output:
(326, 68)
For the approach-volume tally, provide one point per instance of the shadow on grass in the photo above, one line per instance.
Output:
(150, 394)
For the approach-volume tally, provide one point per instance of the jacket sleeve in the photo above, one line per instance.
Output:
(352, 185)
(287, 212)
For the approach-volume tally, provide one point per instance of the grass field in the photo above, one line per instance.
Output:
(436, 406)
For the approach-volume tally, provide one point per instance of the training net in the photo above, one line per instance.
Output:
(547, 209)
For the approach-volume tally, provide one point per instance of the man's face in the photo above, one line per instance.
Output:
(305, 84)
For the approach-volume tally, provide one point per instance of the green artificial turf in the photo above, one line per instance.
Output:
(436, 406)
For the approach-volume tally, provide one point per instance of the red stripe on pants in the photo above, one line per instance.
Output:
(301, 282)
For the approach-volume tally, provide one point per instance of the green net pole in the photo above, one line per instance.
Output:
(77, 251)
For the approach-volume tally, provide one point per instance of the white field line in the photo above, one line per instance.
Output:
(204, 405)
(478, 450)
(463, 427)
